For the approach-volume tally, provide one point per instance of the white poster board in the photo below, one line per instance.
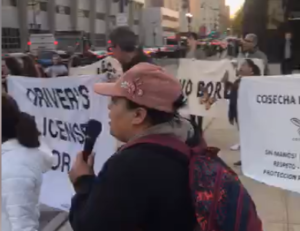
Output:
(61, 107)
(109, 68)
(269, 121)
(197, 75)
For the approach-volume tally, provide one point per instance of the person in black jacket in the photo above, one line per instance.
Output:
(287, 54)
(143, 186)
(249, 68)
(124, 46)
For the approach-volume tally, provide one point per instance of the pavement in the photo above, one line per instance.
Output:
(279, 209)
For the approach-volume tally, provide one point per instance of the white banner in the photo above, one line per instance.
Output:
(269, 121)
(203, 83)
(61, 107)
(109, 68)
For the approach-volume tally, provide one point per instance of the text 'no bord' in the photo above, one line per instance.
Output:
(219, 90)
(75, 98)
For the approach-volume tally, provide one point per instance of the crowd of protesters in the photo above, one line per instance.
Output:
(153, 182)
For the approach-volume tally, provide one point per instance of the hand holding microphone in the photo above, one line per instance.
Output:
(93, 130)
(84, 162)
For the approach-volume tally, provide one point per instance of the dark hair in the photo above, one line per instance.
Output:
(13, 66)
(75, 61)
(29, 68)
(254, 67)
(156, 117)
(18, 125)
(125, 38)
(140, 57)
(193, 35)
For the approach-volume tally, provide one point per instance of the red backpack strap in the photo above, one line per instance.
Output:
(163, 140)
(212, 220)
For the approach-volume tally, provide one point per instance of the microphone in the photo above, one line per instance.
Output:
(93, 130)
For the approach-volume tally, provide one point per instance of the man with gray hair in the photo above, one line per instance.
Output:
(250, 50)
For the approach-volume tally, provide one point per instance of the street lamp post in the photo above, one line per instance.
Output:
(189, 18)
(154, 32)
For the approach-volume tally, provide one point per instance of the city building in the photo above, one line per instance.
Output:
(190, 7)
(270, 19)
(160, 20)
(213, 13)
(159, 23)
(169, 4)
(65, 19)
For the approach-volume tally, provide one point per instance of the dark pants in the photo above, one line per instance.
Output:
(197, 121)
(287, 67)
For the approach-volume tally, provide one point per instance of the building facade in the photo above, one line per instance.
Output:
(159, 23)
(64, 18)
(215, 16)
(160, 20)
(169, 4)
(270, 19)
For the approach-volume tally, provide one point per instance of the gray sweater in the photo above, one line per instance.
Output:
(196, 54)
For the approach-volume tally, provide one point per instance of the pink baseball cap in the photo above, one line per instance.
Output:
(146, 85)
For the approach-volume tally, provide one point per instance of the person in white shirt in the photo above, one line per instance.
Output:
(57, 69)
(24, 160)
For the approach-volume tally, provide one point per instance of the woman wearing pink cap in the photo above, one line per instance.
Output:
(144, 186)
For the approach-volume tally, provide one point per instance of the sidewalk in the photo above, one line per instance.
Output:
(278, 209)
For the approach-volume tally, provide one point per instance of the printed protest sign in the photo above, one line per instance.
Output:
(269, 121)
(109, 68)
(62, 107)
(203, 83)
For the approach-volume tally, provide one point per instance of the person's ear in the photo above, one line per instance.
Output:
(139, 116)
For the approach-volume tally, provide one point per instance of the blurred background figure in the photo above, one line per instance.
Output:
(193, 50)
(248, 68)
(74, 62)
(57, 69)
(10, 66)
(14, 66)
(40, 69)
(23, 163)
(29, 67)
(125, 48)
(286, 54)
(251, 50)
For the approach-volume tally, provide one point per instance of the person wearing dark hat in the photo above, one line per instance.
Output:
(287, 54)
(125, 48)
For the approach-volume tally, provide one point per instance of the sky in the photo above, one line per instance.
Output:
(235, 5)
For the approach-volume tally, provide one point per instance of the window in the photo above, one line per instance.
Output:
(11, 38)
(43, 6)
(100, 40)
(100, 16)
(9, 2)
(13, 2)
(60, 9)
(83, 13)
(67, 10)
